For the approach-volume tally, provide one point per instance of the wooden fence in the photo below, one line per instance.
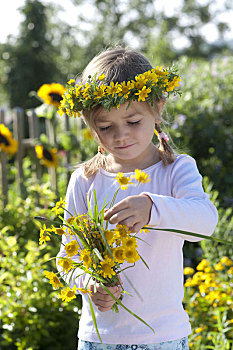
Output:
(27, 145)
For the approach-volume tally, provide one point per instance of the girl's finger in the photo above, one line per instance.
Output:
(120, 216)
(116, 208)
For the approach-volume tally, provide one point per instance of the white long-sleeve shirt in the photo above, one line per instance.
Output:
(179, 202)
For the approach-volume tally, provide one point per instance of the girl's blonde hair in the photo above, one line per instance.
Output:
(118, 65)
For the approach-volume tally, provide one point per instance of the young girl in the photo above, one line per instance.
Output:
(174, 198)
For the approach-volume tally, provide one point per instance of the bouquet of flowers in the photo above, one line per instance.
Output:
(101, 251)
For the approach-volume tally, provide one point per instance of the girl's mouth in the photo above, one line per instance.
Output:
(124, 147)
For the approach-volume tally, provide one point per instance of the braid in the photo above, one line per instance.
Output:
(166, 152)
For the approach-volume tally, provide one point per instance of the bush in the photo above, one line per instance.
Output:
(208, 301)
(31, 315)
(203, 118)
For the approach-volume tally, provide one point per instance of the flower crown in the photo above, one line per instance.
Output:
(147, 86)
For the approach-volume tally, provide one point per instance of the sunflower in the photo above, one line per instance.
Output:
(49, 157)
(7, 143)
(51, 94)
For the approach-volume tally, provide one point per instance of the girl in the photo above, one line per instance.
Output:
(174, 198)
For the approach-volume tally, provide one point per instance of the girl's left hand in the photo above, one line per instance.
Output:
(133, 211)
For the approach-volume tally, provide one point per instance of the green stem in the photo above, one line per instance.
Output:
(214, 239)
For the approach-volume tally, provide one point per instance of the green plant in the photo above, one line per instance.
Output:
(31, 316)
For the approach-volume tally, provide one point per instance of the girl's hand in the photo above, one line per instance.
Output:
(101, 298)
(133, 211)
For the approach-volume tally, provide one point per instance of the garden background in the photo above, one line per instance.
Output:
(48, 50)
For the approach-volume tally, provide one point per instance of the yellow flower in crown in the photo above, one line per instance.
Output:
(86, 92)
(113, 89)
(78, 90)
(140, 81)
(123, 181)
(142, 94)
(125, 89)
(160, 72)
(101, 77)
(145, 87)
(100, 91)
(174, 83)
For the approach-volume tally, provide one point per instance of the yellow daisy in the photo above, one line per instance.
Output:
(131, 255)
(66, 264)
(106, 267)
(44, 235)
(119, 254)
(123, 181)
(68, 294)
(53, 279)
(72, 248)
(59, 207)
(141, 176)
(85, 256)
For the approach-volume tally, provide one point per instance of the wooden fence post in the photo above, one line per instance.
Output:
(18, 128)
(34, 134)
(68, 158)
(50, 125)
(3, 162)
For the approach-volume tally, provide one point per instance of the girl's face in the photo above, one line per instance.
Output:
(127, 134)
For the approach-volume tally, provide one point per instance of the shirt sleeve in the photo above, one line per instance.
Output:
(188, 208)
(75, 205)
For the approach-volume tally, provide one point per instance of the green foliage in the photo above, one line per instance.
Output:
(208, 301)
(30, 58)
(213, 251)
(203, 119)
(31, 315)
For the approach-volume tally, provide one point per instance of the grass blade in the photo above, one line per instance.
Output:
(214, 239)
(94, 318)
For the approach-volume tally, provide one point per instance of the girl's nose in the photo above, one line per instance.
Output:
(120, 133)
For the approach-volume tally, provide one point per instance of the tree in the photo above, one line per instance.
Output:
(31, 61)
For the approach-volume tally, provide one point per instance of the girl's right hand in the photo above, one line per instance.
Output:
(102, 300)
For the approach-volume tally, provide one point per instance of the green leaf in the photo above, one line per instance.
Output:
(192, 234)
(144, 261)
(94, 318)
(97, 253)
(89, 207)
(105, 241)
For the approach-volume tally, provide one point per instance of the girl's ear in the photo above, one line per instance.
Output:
(161, 104)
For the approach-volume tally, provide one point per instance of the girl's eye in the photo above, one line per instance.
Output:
(104, 128)
(134, 123)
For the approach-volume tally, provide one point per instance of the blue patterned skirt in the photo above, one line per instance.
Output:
(180, 344)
